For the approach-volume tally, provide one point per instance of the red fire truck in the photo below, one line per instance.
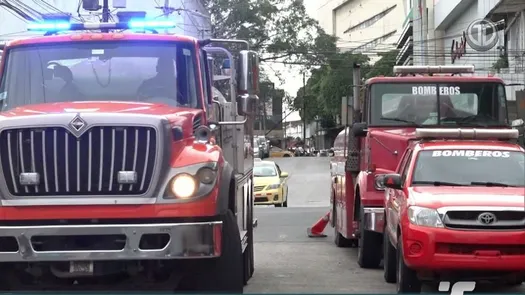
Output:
(113, 172)
(392, 108)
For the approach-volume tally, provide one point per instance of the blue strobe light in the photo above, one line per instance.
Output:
(49, 26)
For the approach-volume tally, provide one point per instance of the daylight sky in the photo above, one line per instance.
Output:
(294, 78)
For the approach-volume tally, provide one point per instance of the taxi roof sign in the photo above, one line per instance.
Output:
(407, 70)
(466, 133)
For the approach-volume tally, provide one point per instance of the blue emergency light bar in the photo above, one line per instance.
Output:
(134, 24)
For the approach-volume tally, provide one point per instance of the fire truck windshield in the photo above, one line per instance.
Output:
(464, 104)
(144, 71)
(470, 167)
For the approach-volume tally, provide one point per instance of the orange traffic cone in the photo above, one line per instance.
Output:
(316, 231)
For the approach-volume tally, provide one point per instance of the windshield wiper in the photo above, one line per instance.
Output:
(401, 120)
(462, 121)
(439, 183)
(489, 183)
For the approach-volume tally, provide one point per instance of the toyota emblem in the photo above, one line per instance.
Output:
(487, 218)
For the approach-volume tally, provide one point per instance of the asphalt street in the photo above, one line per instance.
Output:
(287, 261)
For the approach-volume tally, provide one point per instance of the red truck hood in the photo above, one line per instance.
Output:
(128, 107)
(387, 146)
(436, 197)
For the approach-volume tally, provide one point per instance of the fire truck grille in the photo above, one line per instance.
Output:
(102, 161)
(469, 220)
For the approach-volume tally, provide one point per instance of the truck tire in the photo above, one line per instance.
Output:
(369, 246)
(224, 274)
(407, 280)
(248, 255)
(389, 260)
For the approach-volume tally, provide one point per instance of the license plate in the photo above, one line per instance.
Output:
(85, 267)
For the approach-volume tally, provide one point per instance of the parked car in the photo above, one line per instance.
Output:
(276, 152)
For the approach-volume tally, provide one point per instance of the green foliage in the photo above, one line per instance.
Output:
(332, 81)
(277, 29)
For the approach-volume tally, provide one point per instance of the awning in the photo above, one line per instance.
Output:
(504, 8)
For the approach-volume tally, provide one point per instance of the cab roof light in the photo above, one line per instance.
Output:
(127, 21)
(464, 133)
(408, 70)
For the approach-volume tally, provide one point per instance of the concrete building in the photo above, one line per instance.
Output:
(365, 26)
(405, 43)
(193, 19)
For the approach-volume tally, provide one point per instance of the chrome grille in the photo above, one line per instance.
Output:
(258, 188)
(469, 220)
(87, 165)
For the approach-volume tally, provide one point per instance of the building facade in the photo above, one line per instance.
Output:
(363, 26)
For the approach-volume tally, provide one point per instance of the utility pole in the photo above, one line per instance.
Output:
(304, 107)
(105, 11)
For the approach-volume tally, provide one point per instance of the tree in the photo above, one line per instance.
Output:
(277, 29)
(334, 80)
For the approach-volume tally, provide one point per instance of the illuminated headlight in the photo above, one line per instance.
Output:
(424, 216)
(379, 182)
(273, 186)
(192, 182)
(184, 186)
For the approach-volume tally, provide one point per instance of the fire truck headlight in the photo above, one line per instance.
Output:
(207, 175)
(184, 186)
(379, 182)
(424, 216)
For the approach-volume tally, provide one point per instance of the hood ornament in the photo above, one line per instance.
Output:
(77, 124)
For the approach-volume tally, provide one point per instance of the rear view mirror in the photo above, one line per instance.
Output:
(359, 129)
(247, 82)
(392, 181)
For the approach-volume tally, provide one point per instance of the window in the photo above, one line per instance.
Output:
(153, 72)
(372, 44)
(264, 170)
(470, 167)
(465, 104)
(370, 21)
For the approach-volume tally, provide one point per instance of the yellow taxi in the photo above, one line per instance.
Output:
(276, 152)
(270, 184)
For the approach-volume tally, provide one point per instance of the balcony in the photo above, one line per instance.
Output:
(405, 52)
(406, 32)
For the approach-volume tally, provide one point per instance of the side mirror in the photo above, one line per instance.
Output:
(518, 123)
(392, 181)
(247, 82)
(284, 174)
(360, 129)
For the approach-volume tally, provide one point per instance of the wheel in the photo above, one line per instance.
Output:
(285, 203)
(389, 259)
(224, 274)
(278, 205)
(339, 240)
(286, 156)
(407, 280)
(369, 248)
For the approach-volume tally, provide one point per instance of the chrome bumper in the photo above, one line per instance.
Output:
(374, 219)
(187, 240)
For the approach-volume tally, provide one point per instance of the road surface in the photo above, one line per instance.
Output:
(287, 261)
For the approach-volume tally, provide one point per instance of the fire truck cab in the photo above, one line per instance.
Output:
(390, 111)
(119, 166)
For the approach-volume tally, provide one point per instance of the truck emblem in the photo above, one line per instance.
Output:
(487, 218)
(77, 123)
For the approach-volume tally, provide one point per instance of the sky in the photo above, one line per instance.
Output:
(293, 76)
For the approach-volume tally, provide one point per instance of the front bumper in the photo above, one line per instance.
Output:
(268, 197)
(374, 219)
(446, 249)
(186, 241)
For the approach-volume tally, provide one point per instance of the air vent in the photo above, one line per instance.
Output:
(197, 122)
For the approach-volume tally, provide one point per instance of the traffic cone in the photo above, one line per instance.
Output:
(316, 231)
